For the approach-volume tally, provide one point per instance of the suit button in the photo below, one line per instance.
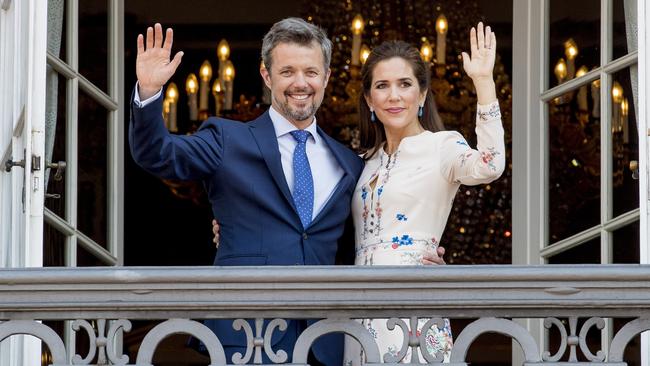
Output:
(305, 236)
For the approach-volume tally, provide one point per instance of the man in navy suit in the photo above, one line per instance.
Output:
(271, 209)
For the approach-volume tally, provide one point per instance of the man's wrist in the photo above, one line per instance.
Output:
(147, 92)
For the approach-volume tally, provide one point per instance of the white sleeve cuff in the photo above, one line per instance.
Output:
(144, 103)
(488, 112)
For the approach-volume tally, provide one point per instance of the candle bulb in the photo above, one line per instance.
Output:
(617, 99)
(166, 110)
(192, 87)
(364, 53)
(441, 38)
(426, 51)
(625, 109)
(172, 95)
(223, 53)
(357, 29)
(228, 82)
(216, 93)
(570, 51)
(595, 97)
(560, 70)
(205, 74)
(582, 92)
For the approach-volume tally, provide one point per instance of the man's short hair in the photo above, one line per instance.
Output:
(298, 31)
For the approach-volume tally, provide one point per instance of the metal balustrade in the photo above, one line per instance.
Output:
(182, 296)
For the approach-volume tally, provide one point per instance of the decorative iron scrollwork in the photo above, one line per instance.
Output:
(102, 341)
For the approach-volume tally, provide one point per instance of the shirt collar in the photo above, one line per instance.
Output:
(282, 125)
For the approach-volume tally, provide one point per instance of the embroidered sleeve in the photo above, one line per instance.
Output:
(464, 165)
(488, 112)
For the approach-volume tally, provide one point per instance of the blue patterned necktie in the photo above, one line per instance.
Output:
(303, 183)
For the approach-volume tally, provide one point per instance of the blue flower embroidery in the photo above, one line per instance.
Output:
(401, 217)
(461, 142)
(381, 189)
(404, 240)
(364, 193)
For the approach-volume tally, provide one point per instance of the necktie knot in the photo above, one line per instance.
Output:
(300, 135)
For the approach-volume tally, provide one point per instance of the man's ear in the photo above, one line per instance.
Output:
(266, 76)
(327, 77)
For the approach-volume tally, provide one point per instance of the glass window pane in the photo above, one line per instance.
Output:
(86, 259)
(92, 178)
(625, 27)
(574, 38)
(625, 143)
(93, 42)
(585, 253)
(574, 162)
(53, 247)
(55, 139)
(627, 241)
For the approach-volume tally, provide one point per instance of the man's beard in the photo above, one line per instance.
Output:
(301, 114)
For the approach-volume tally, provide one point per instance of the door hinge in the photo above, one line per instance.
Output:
(9, 164)
(36, 164)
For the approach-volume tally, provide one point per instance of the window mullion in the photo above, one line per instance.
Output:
(115, 217)
(606, 151)
(72, 112)
(606, 189)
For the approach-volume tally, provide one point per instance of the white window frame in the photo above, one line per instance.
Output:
(22, 122)
(113, 101)
(644, 149)
(530, 141)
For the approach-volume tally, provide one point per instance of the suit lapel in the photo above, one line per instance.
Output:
(345, 182)
(264, 134)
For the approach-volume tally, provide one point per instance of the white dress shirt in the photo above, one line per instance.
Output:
(320, 157)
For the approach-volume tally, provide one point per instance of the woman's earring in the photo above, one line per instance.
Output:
(373, 118)
(420, 111)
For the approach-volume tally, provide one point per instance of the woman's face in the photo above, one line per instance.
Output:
(395, 95)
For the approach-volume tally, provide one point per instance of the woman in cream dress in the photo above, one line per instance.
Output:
(414, 169)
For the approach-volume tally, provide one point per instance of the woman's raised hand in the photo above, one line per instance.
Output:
(483, 45)
(480, 65)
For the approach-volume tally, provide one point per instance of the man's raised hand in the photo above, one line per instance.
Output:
(153, 66)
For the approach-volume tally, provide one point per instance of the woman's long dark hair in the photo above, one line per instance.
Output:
(372, 134)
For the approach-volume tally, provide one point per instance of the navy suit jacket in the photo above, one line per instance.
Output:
(240, 166)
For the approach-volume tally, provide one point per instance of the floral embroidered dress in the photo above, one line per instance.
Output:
(402, 202)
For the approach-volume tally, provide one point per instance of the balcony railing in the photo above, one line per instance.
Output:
(112, 297)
